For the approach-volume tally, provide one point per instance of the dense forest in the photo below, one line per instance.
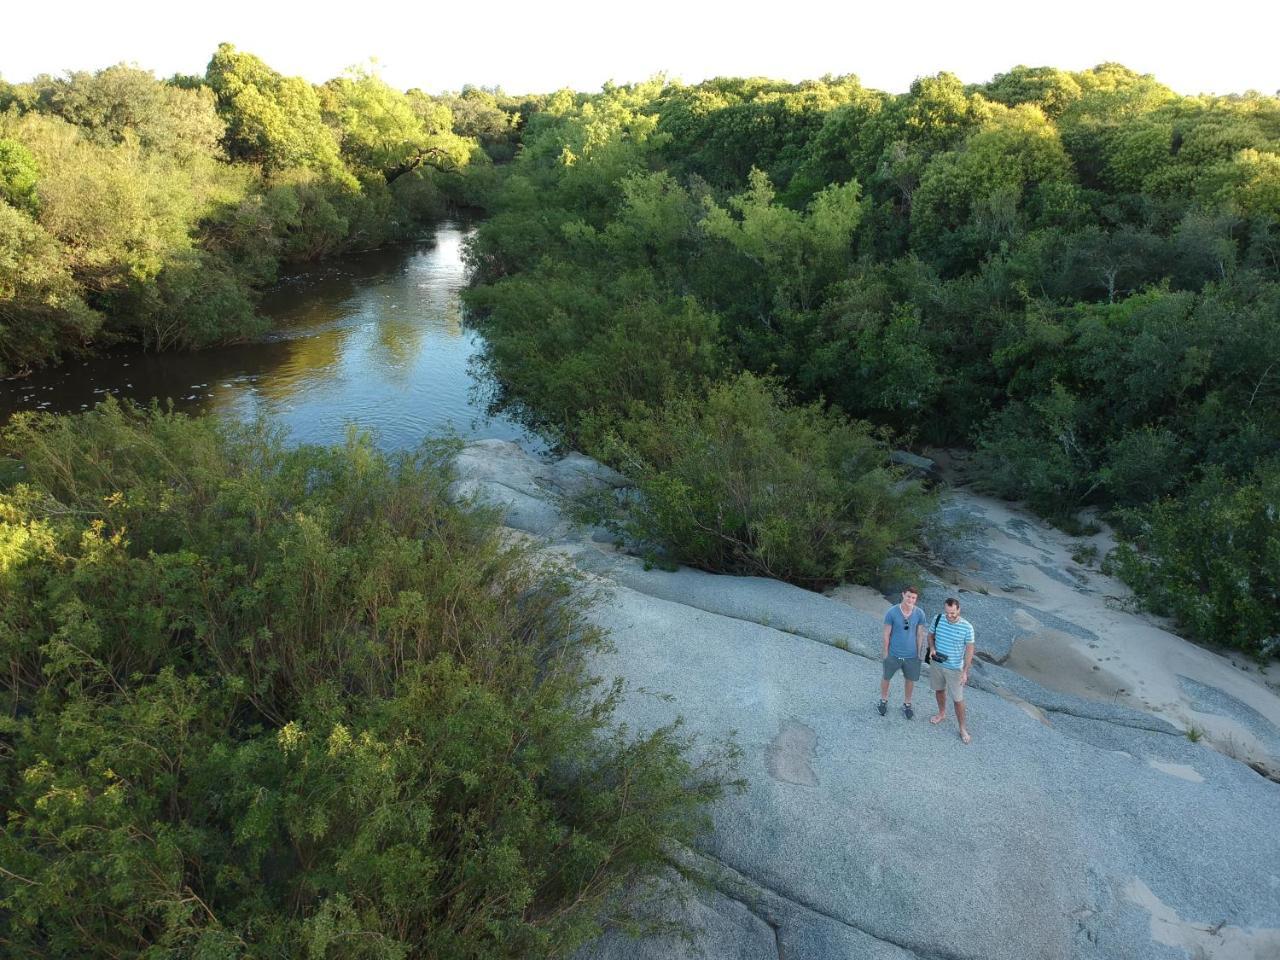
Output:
(269, 700)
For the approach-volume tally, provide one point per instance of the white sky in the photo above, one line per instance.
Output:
(531, 46)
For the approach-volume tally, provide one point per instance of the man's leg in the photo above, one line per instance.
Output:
(964, 731)
(910, 674)
(889, 668)
(941, 696)
(939, 684)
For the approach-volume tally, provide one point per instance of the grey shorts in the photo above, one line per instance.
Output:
(941, 678)
(910, 667)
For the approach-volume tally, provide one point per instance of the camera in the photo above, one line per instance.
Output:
(939, 657)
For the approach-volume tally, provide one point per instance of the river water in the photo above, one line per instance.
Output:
(376, 340)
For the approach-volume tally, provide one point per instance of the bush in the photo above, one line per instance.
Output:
(1041, 451)
(560, 349)
(1211, 559)
(41, 308)
(743, 482)
(295, 702)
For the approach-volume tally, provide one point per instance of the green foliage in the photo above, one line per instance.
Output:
(600, 326)
(488, 117)
(743, 482)
(561, 351)
(1050, 89)
(264, 701)
(120, 210)
(18, 176)
(969, 199)
(41, 308)
(271, 119)
(1116, 402)
(793, 255)
(124, 102)
(197, 300)
(1211, 559)
(1039, 450)
(385, 132)
(722, 129)
(872, 356)
(1253, 182)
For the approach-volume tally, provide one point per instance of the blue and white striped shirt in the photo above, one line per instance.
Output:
(950, 639)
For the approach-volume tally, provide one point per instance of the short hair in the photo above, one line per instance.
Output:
(911, 588)
(951, 602)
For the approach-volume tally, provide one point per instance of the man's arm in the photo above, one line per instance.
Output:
(887, 630)
(922, 638)
(968, 656)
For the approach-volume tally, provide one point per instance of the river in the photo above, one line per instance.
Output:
(376, 340)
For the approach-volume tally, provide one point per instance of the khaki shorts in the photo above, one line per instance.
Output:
(941, 677)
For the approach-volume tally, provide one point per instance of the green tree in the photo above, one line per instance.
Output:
(971, 199)
(42, 312)
(1253, 183)
(385, 132)
(125, 101)
(18, 175)
(1211, 559)
(1050, 89)
(796, 254)
(480, 115)
(271, 119)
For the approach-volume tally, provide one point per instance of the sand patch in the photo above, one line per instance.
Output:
(1209, 941)
(1053, 660)
(790, 755)
(1180, 770)
(860, 598)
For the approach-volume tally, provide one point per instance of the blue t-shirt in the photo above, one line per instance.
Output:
(950, 639)
(902, 631)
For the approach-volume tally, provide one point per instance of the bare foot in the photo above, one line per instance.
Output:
(964, 735)
(937, 718)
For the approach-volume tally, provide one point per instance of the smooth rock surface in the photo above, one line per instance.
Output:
(1069, 828)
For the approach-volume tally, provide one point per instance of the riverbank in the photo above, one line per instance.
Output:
(376, 340)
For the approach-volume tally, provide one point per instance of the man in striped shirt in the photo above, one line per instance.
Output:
(951, 653)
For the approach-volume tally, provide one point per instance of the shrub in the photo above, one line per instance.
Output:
(41, 308)
(560, 349)
(1039, 450)
(1211, 559)
(295, 702)
(741, 481)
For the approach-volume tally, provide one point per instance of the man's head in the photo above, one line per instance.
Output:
(952, 609)
(909, 597)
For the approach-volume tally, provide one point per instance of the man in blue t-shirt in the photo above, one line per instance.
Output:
(951, 649)
(903, 640)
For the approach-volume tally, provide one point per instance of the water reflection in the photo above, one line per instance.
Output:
(376, 340)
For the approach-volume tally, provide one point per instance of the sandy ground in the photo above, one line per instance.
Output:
(1135, 661)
